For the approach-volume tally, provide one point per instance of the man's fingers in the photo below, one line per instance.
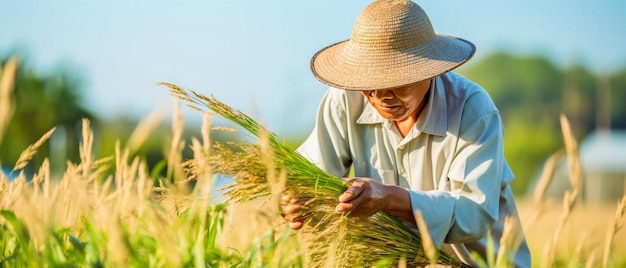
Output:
(295, 221)
(351, 193)
(343, 207)
(349, 199)
(285, 198)
(288, 198)
(292, 208)
(349, 180)
(293, 217)
(348, 205)
(297, 225)
(347, 196)
(294, 205)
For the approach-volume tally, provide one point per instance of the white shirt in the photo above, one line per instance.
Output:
(451, 161)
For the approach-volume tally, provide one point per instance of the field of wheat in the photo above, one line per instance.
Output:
(116, 212)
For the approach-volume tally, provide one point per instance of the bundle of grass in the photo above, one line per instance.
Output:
(267, 169)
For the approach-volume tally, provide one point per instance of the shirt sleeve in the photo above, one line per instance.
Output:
(327, 145)
(465, 212)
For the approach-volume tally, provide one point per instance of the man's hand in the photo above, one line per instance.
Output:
(364, 198)
(292, 209)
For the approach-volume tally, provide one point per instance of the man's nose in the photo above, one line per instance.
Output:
(383, 94)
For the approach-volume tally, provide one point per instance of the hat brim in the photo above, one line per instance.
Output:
(347, 66)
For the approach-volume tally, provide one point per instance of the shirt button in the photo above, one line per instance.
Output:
(401, 147)
(403, 174)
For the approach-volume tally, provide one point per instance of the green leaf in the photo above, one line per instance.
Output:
(19, 229)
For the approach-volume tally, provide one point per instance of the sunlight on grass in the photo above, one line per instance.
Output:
(117, 212)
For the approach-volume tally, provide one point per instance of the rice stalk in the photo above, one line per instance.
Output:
(125, 185)
(402, 263)
(570, 197)
(7, 81)
(568, 203)
(31, 150)
(205, 131)
(175, 154)
(427, 242)
(200, 168)
(591, 260)
(580, 248)
(42, 175)
(539, 194)
(11, 191)
(144, 129)
(571, 148)
(85, 149)
(512, 237)
(614, 227)
(546, 177)
(368, 239)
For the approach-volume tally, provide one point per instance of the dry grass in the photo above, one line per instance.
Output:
(144, 129)
(78, 195)
(583, 238)
(28, 154)
(612, 230)
(119, 217)
(575, 176)
(89, 218)
(512, 237)
(427, 242)
(539, 198)
(7, 75)
(584, 234)
(545, 228)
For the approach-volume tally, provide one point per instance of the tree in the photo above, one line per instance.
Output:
(40, 103)
(616, 95)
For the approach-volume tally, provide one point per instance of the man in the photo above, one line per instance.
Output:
(418, 137)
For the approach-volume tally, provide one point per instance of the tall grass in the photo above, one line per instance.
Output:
(582, 256)
(7, 75)
(116, 212)
(575, 176)
(87, 218)
(612, 229)
(109, 212)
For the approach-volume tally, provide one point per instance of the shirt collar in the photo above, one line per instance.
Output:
(433, 120)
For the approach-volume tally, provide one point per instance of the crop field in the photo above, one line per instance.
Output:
(116, 211)
(583, 238)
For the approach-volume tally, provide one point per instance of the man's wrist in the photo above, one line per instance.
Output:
(397, 200)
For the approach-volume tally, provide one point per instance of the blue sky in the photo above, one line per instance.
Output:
(254, 55)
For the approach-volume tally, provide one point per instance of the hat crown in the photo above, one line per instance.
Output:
(393, 44)
(392, 24)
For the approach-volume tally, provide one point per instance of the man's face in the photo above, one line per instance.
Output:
(398, 104)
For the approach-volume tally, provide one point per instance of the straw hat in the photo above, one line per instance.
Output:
(393, 44)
